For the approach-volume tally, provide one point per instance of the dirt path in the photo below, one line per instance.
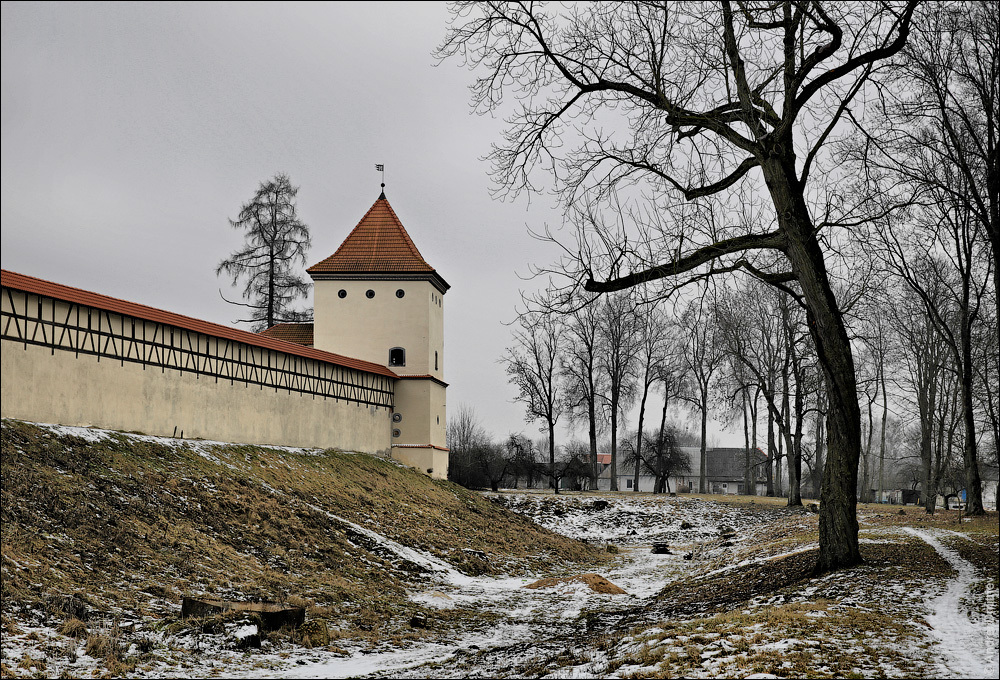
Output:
(968, 643)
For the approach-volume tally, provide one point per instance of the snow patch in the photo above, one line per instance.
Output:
(969, 642)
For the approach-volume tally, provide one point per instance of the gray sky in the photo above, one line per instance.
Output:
(131, 132)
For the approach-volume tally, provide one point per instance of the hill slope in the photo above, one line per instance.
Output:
(131, 523)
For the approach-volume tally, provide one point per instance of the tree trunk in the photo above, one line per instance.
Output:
(794, 470)
(747, 464)
(838, 522)
(795, 491)
(973, 481)
(770, 452)
(614, 439)
(866, 481)
(817, 471)
(638, 438)
(702, 474)
(778, 455)
(927, 384)
(753, 431)
(881, 451)
(552, 455)
(592, 419)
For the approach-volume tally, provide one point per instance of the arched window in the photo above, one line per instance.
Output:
(397, 356)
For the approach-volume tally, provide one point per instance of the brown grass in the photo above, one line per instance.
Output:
(595, 582)
(74, 628)
(132, 526)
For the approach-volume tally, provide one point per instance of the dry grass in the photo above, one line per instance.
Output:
(773, 617)
(74, 628)
(819, 639)
(594, 582)
(131, 526)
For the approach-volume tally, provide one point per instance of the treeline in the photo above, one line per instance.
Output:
(742, 354)
(479, 461)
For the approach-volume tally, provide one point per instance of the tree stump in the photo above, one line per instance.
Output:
(273, 615)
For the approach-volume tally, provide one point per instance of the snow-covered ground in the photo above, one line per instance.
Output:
(968, 638)
(511, 627)
(532, 624)
(526, 617)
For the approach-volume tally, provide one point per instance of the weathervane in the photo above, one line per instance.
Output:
(381, 168)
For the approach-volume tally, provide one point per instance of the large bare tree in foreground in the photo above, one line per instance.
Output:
(694, 100)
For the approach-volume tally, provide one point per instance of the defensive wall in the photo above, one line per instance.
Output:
(74, 357)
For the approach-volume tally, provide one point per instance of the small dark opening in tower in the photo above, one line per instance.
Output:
(397, 356)
(435, 361)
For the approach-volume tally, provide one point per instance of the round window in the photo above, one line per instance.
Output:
(400, 293)
(395, 432)
(369, 293)
(342, 293)
(397, 417)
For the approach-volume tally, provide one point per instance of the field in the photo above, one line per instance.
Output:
(400, 575)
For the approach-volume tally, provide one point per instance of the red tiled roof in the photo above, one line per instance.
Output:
(30, 284)
(422, 376)
(378, 244)
(299, 333)
(604, 458)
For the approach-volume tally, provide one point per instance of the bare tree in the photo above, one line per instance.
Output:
(276, 241)
(581, 373)
(933, 179)
(660, 456)
(532, 366)
(465, 429)
(619, 332)
(471, 460)
(651, 357)
(703, 357)
(521, 454)
(754, 335)
(711, 96)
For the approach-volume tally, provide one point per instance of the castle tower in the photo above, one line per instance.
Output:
(377, 299)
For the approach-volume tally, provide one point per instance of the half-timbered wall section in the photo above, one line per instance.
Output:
(188, 375)
(39, 320)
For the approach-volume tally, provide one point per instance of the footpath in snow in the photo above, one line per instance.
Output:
(969, 643)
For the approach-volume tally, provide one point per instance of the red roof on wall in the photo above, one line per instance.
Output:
(30, 284)
(378, 245)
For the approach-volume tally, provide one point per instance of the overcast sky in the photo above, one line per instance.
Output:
(131, 132)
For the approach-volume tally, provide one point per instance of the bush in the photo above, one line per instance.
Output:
(74, 628)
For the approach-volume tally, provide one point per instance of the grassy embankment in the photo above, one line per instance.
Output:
(130, 525)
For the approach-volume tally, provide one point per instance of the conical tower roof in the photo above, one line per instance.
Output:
(377, 248)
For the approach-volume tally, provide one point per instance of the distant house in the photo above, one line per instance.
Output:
(573, 473)
(724, 473)
(990, 491)
(900, 496)
(724, 469)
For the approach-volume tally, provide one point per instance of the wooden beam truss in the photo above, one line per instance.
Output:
(33, 319)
